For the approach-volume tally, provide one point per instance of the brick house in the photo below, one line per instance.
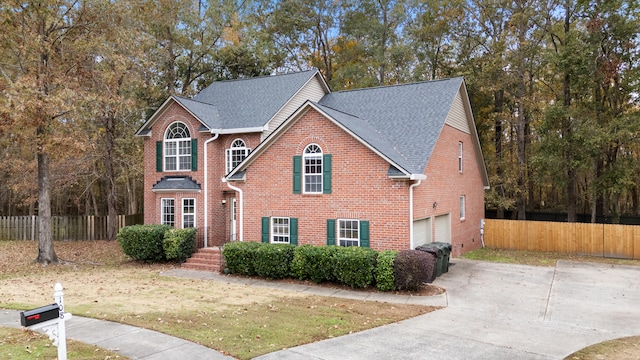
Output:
(283, 159)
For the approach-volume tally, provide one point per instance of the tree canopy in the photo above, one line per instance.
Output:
(554, 86)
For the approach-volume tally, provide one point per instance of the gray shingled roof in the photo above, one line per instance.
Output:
(207, 113)
(402, 122)
(246, 103)
(178, 183)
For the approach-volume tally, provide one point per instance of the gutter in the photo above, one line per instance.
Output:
(240, 208)
(206, 188)
(418, 177)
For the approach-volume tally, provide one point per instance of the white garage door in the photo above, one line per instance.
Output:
(443, 228)
(421, 231)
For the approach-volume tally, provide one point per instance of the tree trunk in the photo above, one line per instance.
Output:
(46, 253)
(498, 98)
(112, 226)
(567, 128)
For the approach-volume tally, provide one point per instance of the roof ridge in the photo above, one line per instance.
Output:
(263, 76)
(192, 99)
(398, 85)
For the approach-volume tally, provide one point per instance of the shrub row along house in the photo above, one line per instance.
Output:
(282, 159)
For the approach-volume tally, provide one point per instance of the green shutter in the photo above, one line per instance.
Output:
(293, 231)
(297, 174)
(326, 174)
(331, 232)
(364, 233)
(194, 154)
(266, 229)
(159, 156)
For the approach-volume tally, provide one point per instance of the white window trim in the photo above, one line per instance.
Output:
(229, 153)
(272, 233)
(460, 156)
(339, 239)
(177, 142)
(184, 214)
(162, 212)
(306, 156)
(463, 207)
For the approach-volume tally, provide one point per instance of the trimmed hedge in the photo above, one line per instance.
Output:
(240, 257)
(412, 268)
(354, 266)
(143, 242)
(273, 260)
(313, 263)
(385, 278)
(179, 244)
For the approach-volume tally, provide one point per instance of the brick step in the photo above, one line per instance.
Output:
(205, 259)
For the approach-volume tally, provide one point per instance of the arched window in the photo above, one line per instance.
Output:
(236, 153)
(312, 158)
(177, 147)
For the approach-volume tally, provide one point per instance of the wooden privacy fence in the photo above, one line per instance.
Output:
(63, 227)
(603, 240)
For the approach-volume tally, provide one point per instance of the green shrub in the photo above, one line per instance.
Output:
(354, 266)
(385, 280)
(179, 244)
(240, 257)
(412, 268)
(273, 260)
(313, 263)
(143, 242)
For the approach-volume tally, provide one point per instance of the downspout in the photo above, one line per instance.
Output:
(206, 189)
(419, 178)
(240, 208)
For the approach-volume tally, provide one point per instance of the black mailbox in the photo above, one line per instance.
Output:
(41, 314)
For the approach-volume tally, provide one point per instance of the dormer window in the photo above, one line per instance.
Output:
(236, 153)
(177, 148)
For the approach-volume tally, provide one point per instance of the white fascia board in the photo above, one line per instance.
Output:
(162, 109)
(240, 130)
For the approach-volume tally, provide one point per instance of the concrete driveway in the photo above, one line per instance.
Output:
(500, 311)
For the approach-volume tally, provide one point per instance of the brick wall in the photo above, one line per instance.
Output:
(360, 188)
(218, 213)
(444, 186)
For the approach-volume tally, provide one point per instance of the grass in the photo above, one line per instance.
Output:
(241, 321)
(19, 344)
(621, 349)
(537, 258)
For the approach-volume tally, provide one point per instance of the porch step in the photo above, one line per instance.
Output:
(205, 259)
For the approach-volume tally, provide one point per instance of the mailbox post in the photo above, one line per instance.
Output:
(51, 320)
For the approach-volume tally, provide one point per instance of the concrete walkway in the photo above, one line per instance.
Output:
(494, 311)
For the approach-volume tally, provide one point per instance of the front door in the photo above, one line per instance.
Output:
(232, 216)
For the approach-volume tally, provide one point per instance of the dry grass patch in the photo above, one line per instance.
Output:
(620, 349)
(240, 320)
(536, 258)
(18, 344)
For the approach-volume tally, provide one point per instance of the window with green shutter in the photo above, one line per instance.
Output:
(280, 230)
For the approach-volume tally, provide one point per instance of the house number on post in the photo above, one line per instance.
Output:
(51, 320)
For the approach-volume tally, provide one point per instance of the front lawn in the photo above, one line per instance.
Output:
(242, 321)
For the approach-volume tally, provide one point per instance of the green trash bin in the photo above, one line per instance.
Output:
(437, 252)
(446, 254)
